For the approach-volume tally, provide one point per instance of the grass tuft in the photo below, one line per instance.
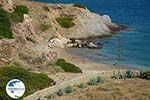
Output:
(65, 22)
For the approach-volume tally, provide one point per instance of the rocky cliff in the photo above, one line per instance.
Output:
(86, 23)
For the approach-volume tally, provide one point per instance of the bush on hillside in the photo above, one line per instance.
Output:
(79, 6)
(92, 81)
(5, 25)
(32, 81)
(68, 67)
(82, 85)
(100, 80)
(65, 22)
(130, 74)
(60, 92)
(68, 89)
(147, 75)
(17, 15)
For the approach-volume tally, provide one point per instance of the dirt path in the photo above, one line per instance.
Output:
(74, 81)
(90, 69)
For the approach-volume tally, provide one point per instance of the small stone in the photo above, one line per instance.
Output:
(80, 46)
(78, 41)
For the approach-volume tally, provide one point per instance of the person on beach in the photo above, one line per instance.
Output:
(115, 63)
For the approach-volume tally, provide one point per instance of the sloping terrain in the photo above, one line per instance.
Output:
(128, 89)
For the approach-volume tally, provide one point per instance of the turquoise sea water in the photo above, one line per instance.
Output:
(135, 44)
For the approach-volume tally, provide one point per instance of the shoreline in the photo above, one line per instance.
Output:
(86, 64)
(105, 62)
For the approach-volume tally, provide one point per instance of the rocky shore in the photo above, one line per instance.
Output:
(83, 42)
(71, 43)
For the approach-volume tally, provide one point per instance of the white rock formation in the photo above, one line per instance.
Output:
(58, 42)
(91, 24)
(92, 45)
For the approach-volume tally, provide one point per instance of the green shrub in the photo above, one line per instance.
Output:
(147, 75)
(68, 89)
(79, 6)
(5, 25)
(44, 27)
(130, 74)
(60, 92)
(32, 81)
(100, 80)
(68, 67)
(82, 85)
(92, 81)
(141, 74)
(65, 22)
(17, 15)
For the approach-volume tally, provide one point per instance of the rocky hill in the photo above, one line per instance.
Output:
(26, 27)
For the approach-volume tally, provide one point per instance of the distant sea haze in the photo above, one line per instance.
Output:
(135, 44)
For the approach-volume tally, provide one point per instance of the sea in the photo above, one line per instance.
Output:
(130, 48)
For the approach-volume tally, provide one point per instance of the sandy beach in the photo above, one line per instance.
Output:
(88, 67)
(85, 64)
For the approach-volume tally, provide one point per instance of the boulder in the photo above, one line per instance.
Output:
(78, 41)
(80, 45)
(92, 45)
(69, 45)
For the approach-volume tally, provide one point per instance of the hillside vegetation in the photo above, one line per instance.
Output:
(65, 22)
(17, 15)
(5, 25)
(7, 18)
(124, 89)
(32, 81)
(68, 67)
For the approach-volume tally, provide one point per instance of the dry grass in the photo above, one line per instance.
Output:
(128, 89)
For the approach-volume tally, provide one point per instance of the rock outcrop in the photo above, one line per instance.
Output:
(25, 28)
(70, 43)
(87, 24)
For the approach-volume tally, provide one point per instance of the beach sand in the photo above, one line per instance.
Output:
(85, 64)
(88, 67)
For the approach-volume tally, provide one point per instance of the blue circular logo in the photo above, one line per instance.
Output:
(15, 88)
